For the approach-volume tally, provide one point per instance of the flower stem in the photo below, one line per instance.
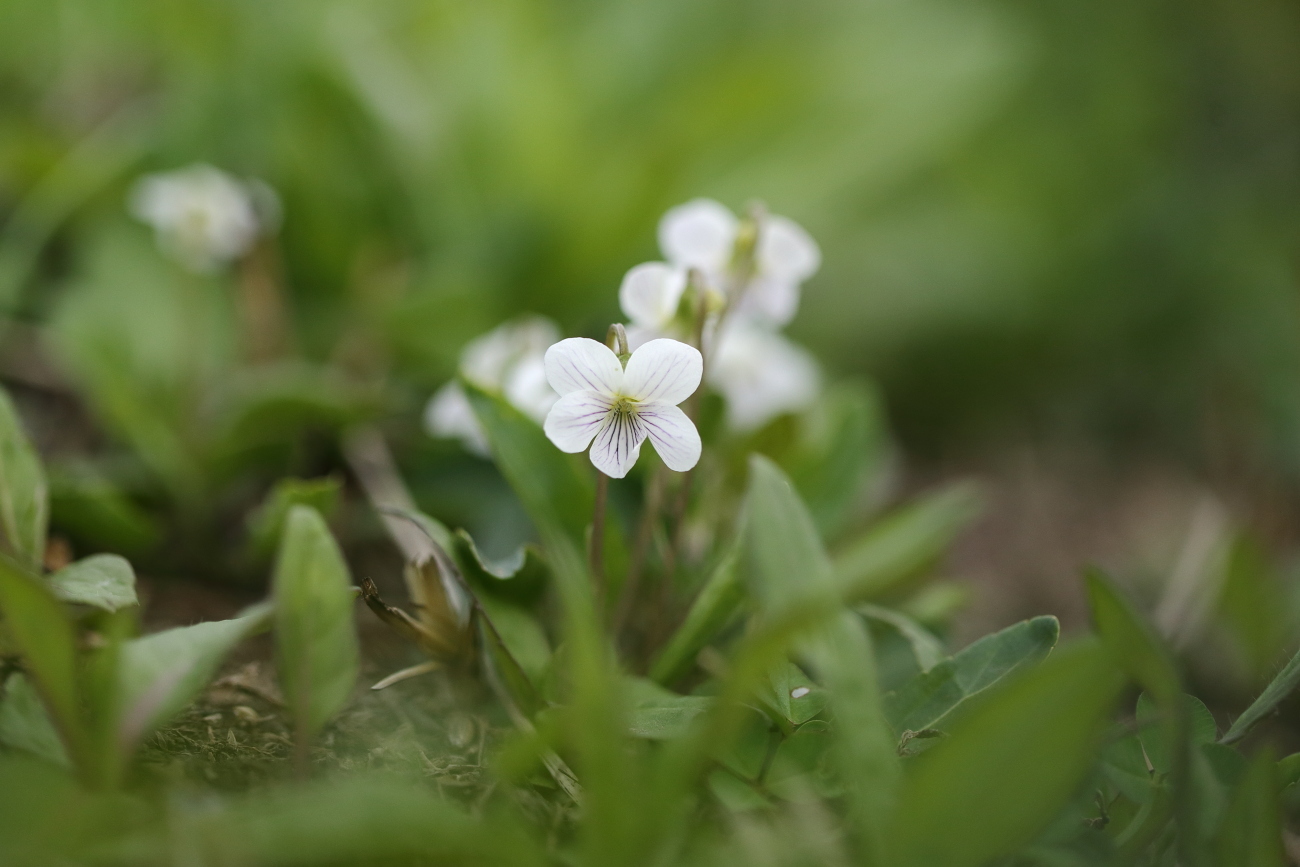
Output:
(649, 515)
(598, 537)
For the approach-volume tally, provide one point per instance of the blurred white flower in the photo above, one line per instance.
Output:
(615, 410)
(508, 360)
(649, 296)
(702, 234)
(202, 216)
(761, 374)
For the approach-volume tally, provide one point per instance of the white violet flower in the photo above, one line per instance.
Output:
(508, 360)
(649, 295)
(203, 217)
(614, 410)
(702, 234)
(761, 375)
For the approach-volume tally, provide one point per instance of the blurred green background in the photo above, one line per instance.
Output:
(1054, 219)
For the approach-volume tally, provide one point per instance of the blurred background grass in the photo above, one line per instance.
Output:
(1069, 227)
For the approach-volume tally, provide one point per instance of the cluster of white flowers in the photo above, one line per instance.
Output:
(508, 360)
(747, 276)
(203, 217)
(751, 276)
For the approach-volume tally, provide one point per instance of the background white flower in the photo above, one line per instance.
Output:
(615, 410)
(202, 216)
(761, 374)
(508, 360)
(702, 234)
(649, 295)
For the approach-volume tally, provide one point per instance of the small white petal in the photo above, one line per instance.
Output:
(527, 390)
(488, 359)
(617, 444)
(761, 375)
(769, 301)
(786, 252)
(202, 216)
(699, 234)
(582, 364)
(638, 336)
(663, 370)
(650, 293)
(450, 416)
(575, 419)
(672, 434)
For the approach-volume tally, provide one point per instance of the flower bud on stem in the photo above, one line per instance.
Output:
(616, 339)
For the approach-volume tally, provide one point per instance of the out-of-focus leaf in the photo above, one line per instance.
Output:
(793, 694)
(104, 581)
(1248, 603)
(266, 525)
(91, 508)
(1281, 686)
(1124, 764)
(24, 500)
(270, 406)
(783, 555)
(40, 630)
(159, 674)
(1131, 641)
(1201, 729)
(658, 714)
(715, 604)
(841, 446)
(1288, 770)
(520, 687)
(522, 635)
(905, 543)
(923, 702)
(316, 639)
(1251, 833)
(520, 576)
(25, 724)
(1013, 760)
(927, 649)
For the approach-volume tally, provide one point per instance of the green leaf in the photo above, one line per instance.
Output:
(927, 699)
(655, 713)
(159, 674)
(905, 543)
(266, 525)
(793, 694)
(24, 500)
(1281, 686)
(26, 725)
(38, 626)
(519, 685)
(926, 648)
(104, 581)
(89, 507)
(1251, 833)
(1155, 737)
(316, 639)
(521, 576)
(785, 560)
(1014, 759)
(1131, 641)
(713, 607)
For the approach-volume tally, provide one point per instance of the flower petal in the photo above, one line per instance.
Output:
(770, 301)
(488, 359)
(582, 364)
(449, 415)
(663, 370)
(672, 434)
(699, 234)
(786, 252)
(575, 419)
(650, 293)
(527, 390)
(762, 375)
(618, 444)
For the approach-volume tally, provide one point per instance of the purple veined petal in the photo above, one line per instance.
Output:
(672, 434)
(699, 234)
(575, 419)
(650, 293)
(786, 252)
(582, 364)
(617, 444)
(663, 370)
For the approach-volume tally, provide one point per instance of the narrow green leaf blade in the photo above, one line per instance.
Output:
(316, 639)
(1251, 833)
(716, 603)
(784, 556)
(104, 581)
(1278, 689)
(24, 498)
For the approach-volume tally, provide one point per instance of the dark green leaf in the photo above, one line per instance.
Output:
(658, 714)
(793, 694)
(923, 702)
(1251, 833)
(1201, 729)
(905, 543)
(926, 648)
(104, 581)
(89, 507)
(24, 501)
(784, 556)
(266, 525)
(716, 603)
(1130, 640)
(316, 639)
(159, 674)
(1281, 686)
(1013, 760)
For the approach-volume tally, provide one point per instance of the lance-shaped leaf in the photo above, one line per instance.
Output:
(104, 581)
(25, 724)
(159, 674)
(926, 699)
(1278, 689)
(1014, 759)
(24, 500)
(716, 603)
(316, 639)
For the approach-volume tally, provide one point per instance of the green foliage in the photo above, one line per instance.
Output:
(266, 525)
(316, 640)
(1282, 685)
(24, 504)
(104, 581)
